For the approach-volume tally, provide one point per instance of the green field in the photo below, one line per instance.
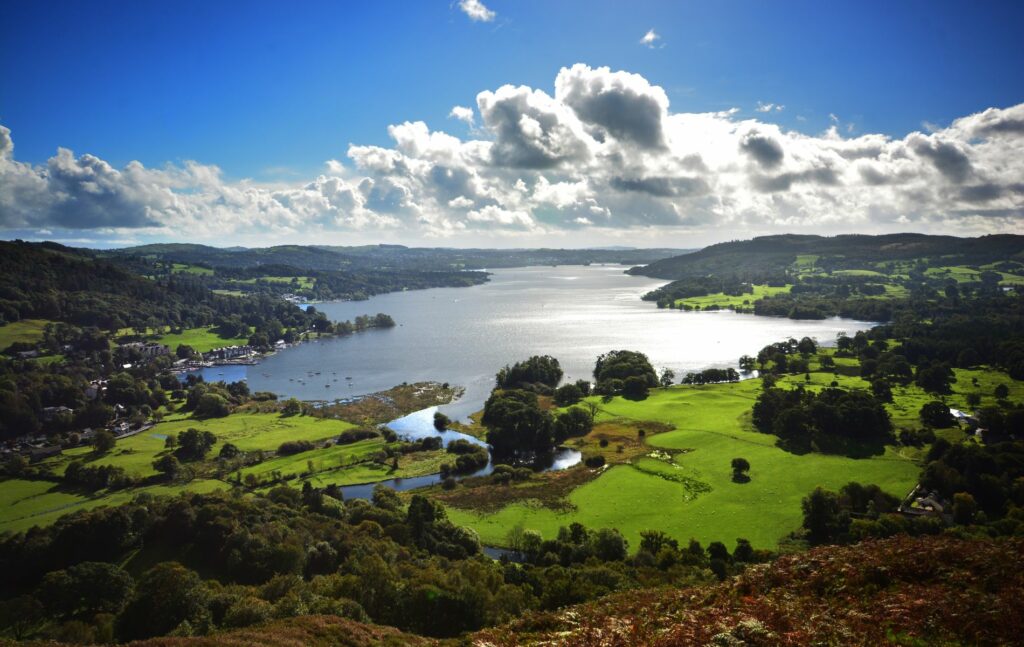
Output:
(26, 503)
(248, 432)
(894, 292)
(820, 380)
(183, 268)
(48, 359)
(349, 465)
(910, 398)
(40, 503)
(728, 301)
(857, 273)
(27, 331)
(201, 339)
(670, 493)
(262, 431)
(962, 274)
(327, 459)
(304, 282)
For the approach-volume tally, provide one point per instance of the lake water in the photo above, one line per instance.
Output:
(464, 335)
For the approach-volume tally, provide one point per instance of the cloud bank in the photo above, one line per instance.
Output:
(603, 157)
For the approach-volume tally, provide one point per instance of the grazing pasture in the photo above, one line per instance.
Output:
(200, 339)
(25, 504)
(26, 331)
(684, 484)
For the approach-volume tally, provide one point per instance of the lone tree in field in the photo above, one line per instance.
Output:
(167, 465)
(292, 407)
(668, 376)
(936, 414)
(103, 441)
(740, 467)
(193, 444)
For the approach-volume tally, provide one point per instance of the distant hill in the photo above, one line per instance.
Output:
(388, 257)
(297, 256)
(53, 282)
(773, 254)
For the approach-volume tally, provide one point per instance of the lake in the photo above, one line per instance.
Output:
(464, 335)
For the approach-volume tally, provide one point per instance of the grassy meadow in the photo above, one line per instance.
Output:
(303, 282)
(247, 431)
(24, 503)
(201, 339)
(723, 300)
(684, 485)
(25, 331)
(328, 459)
(962, 274)
(185, 268)
(39, 503)
(341, 466)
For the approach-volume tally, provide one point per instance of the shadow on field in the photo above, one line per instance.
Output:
(837, 445)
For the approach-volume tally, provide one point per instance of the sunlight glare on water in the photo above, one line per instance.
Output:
(464, 335)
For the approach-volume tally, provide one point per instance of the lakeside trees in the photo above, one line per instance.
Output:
(711, 376)
(540, 373)
(624, 372)
(573, 423)
(516, 424)
(469, 457)
(441, 421)
(569, 394)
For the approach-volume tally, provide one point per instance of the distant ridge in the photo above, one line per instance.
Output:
(386, 256)
(778, 252)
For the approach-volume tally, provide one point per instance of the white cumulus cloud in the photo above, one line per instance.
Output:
(463, 114)
(650, 39)
(476, 10)
(600, 157)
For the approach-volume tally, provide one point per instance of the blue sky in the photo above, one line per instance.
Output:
(271, 91)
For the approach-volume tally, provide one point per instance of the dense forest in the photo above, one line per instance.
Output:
(242, 561)
(49, 281)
